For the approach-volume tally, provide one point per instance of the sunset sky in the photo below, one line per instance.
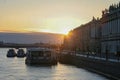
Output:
(55, 16)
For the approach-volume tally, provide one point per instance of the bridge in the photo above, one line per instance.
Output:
(11, 45)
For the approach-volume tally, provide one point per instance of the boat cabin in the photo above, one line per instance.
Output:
(40, 56)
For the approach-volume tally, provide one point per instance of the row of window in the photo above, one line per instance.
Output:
(111, 46)
(112, 27)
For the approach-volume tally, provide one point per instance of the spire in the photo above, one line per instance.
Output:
(110, 8)
(97, 18)
(115, 6)
(94, 18)
(119, 4)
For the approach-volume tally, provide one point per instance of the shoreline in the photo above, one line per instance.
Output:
(107, 69)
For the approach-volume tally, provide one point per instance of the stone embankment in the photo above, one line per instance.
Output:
(105, 68)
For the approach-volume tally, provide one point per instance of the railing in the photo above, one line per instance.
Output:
(98, 56)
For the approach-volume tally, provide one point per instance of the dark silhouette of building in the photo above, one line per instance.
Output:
(85, 38)
(111, 29)
(95, 35)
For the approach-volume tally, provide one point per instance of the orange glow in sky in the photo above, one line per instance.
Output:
(55, 16)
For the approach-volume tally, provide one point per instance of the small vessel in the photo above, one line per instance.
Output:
(11, 53)
(41, 56)
(20, 53)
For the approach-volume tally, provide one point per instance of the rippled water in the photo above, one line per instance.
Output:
(15, 69)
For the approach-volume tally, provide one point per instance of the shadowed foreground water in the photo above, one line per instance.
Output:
(15, 69)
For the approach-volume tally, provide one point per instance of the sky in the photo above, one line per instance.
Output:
(54, 16)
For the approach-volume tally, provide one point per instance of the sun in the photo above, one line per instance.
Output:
(61, 25)
(65, 32)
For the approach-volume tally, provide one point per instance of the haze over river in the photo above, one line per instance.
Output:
(15, 69)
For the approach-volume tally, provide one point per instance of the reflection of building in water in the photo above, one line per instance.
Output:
(111, 29)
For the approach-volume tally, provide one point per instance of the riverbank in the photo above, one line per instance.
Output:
(105, 68)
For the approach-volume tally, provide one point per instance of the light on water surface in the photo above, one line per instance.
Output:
(15, 69)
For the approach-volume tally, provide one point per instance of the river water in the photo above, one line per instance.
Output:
(15, 69)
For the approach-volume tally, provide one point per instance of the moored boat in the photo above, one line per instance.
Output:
(11, 53)
(41, 56)
(21, 53)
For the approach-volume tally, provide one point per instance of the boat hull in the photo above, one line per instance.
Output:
(41, 62)
(21, 53)
(11, 53)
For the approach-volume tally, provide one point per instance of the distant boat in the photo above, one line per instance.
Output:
(40, 56)
(11, 53)
(20, 53)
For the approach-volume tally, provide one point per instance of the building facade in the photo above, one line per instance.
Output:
(85, 38)
(110, 39)
(99, 35)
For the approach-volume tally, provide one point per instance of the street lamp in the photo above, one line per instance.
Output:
(118, 53)
(106, 53)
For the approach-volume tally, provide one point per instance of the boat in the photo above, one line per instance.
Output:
(21, 53)
(41, 56)
(11, 53)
